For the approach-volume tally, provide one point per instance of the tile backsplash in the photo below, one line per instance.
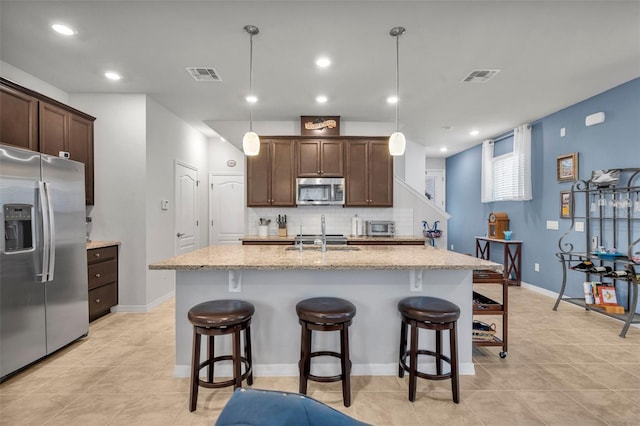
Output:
(338, 219)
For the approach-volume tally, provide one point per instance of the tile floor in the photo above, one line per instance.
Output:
(563, 368)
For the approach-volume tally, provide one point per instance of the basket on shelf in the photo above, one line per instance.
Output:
(483, 331)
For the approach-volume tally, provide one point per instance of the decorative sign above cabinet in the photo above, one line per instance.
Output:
(314, 125)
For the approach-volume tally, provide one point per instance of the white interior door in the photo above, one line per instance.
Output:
(226, 209)
(434, 186)
(186, 220)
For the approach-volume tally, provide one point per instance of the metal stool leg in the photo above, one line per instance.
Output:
(346, 365)
(413, 360)
(210, 354)
(247, 353)
(438, 352)
(455, 385)
(305, 359)
(195, 364)
(237, 359)
(403, 347)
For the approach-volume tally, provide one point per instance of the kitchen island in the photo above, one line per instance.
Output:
(275, 278)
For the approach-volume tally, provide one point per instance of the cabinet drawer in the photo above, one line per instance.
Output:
(101, 254)
(487, 276)
(101, 299)
(102, 273)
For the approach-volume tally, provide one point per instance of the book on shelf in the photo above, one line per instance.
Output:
(602, 295)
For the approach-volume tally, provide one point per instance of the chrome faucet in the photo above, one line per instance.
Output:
(323, 227)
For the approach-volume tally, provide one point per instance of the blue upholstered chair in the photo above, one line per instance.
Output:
(254, 407)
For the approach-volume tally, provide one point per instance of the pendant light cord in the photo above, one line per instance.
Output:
(251, 81)
(397, 77)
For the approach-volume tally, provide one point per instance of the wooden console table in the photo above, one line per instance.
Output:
(512, 260)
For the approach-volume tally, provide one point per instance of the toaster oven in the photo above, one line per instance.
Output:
(381, 228)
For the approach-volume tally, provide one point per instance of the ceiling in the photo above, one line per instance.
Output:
(551, 55)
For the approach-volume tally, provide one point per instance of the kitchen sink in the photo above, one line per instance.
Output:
(329, 248)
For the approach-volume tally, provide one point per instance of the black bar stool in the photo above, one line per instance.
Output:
(217, 318)
(326, 314)
(428, 313)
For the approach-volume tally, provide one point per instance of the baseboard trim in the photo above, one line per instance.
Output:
(144, 308)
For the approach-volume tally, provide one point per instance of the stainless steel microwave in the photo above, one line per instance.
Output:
(319, 191)
(381, 228)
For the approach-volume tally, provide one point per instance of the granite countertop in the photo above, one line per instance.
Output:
(101, 244)
(267, 257)
(350, 239)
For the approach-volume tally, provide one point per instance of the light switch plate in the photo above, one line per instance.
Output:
(552, 224)
(579, 226)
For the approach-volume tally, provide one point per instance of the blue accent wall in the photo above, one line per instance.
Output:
(612, 144)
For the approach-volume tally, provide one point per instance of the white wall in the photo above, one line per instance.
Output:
(120, 184)
(414, 161)
(16, 75)
(169, 139)
(435, 163)
(220, 152)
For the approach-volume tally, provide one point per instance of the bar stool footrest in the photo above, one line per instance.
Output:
(422, 375)
(230, 382)
(326, 379)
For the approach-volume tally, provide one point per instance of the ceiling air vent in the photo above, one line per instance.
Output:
(203, 74)
(480, 76)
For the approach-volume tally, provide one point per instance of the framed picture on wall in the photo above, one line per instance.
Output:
(565, 204)
(567, 167)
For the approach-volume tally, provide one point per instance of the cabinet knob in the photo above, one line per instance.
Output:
(97, 300)
(180, 234)
(97, 255)
(98, 275)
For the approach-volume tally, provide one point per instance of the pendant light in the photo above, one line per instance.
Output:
(250, 140)
(397, 141)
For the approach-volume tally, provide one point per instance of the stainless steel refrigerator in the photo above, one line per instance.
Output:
(43, 256)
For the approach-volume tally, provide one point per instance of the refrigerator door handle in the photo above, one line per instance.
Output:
(48, 231)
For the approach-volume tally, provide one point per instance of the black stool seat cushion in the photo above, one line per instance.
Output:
(429, 309)
(325, 310)
(220, 313)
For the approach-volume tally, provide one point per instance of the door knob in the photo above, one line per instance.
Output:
(179, 234)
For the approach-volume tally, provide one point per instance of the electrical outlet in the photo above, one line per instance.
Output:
(579, 226)
(451, 247)
(536, 267)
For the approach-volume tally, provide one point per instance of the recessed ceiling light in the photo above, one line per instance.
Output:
(474, 132)
(112, 75)
(392, 100)
(321, 99)
(63, 29)
(252, 99)
(323, 62)
(444, 149)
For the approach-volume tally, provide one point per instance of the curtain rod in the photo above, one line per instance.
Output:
(507, 135)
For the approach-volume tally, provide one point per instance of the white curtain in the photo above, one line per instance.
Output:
(486, 185)
(508, 176)
(522, 152)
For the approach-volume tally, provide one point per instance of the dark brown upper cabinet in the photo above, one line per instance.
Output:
(369, 177)
(271, 174)
(320, 158)
(33, 121)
